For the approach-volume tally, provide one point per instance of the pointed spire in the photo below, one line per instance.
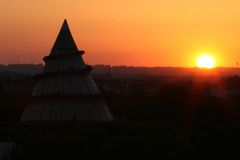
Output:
(65, 25)
(64, 41)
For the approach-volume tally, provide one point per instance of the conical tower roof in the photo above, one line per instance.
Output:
(65, 90)
(64, 41)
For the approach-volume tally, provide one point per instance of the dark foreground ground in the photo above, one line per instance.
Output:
(156, 118)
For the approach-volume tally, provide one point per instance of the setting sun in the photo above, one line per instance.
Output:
(206, 61)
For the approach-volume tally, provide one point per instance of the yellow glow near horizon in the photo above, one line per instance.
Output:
(206, 61)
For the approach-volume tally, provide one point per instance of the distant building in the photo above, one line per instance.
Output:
(29, 69)
(65, 90)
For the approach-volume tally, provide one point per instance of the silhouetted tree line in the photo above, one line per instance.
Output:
(156, 118)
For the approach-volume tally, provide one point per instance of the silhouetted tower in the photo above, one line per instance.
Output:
(65, 91)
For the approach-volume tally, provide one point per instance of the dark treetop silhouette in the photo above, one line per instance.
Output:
(65, 91)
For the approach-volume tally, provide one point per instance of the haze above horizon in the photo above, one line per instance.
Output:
(133, 33)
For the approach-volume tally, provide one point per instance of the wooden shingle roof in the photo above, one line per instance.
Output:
(65, 90)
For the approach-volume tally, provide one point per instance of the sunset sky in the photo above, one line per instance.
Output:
(124, 32)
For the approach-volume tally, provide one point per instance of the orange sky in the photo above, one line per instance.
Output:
(123, 32)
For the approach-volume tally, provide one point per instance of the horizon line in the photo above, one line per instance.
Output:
(122, 65)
